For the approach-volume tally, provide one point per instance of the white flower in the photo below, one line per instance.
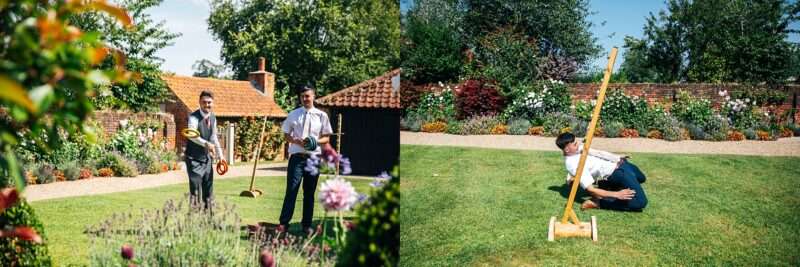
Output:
(441, 84)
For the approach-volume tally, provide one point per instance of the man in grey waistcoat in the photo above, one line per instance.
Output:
(202, 150)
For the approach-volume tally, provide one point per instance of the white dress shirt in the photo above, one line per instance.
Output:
(599, 165)
(193, 123)
(302, 123)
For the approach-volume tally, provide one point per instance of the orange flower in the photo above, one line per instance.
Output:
(23, 232)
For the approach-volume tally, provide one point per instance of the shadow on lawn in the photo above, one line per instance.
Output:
(563, 190)
(274, 168)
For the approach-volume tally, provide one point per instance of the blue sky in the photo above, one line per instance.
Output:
(188, 17)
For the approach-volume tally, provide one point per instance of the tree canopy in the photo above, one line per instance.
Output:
(328, 44)
(140, 44)
(716, 41)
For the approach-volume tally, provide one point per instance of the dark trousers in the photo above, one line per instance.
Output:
(295, 173)
(626, 176)
(201, 180)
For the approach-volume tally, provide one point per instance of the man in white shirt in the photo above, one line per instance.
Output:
(202, 150)
(305, 128)
(618, 181)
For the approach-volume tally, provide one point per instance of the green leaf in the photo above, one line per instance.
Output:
(42, 96)
(13, 169)
(98, 77)
(12, 91)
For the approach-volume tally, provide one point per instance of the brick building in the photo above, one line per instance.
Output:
(233, 100)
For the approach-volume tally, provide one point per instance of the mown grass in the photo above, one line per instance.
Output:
(66, 219)
(488, 207)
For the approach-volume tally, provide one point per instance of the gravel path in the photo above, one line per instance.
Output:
(99, 185)
(781, 147)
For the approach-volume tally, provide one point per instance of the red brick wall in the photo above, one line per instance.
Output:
(110, 121)
(181, 114)
(664, 93)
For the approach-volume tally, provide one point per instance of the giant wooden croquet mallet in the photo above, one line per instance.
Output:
(576, 228)
(255, 192)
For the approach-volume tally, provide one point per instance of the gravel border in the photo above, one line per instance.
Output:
(105, 185)
(781, 147)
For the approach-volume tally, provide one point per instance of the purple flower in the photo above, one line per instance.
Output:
(344, 164)
(312, 164)
(381, 179)
(337, 194)
(362, 198)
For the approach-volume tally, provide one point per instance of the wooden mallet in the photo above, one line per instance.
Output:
(255, 192)
(570, 226)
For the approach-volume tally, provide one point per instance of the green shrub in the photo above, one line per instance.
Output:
(534, 102)
(555, 122)
(126, 142)
(613, 128)
(717, 128)
(437, 105)
(696, 132)
(750, 134)
(15, 252)
(479, 124)
(375, 240)
(583, 110)
(579, 127)
(518, 126)
(119, 164)
(670, 128)
(247, 132)
(412, 121)
(453, 127)
(692, 110)
(795, 129)
(72, 171)
(44, 173)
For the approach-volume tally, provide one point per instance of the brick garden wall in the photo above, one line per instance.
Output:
(110, 121)
(665, 93)
(181, 113)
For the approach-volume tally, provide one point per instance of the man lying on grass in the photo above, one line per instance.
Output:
(618, 181)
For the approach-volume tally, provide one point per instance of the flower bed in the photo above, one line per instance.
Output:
(542, 109)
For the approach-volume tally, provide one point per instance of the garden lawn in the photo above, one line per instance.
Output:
(488, 207)
(65, 219)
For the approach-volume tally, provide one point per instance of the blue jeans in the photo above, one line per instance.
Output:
(294, 176)
(626, 176)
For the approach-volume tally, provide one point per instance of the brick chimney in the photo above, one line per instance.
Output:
(262, 80)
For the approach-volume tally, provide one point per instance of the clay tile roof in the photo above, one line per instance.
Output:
(231, 98)
(375, 93)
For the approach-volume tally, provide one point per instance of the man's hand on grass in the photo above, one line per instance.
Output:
(624, 194)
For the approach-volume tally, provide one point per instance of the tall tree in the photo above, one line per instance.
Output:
(140, 44)
(432, 42)
(206, 68)
(330, 44)
(635, 66)
(560, 28)
(543, 39)
(721, 40)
